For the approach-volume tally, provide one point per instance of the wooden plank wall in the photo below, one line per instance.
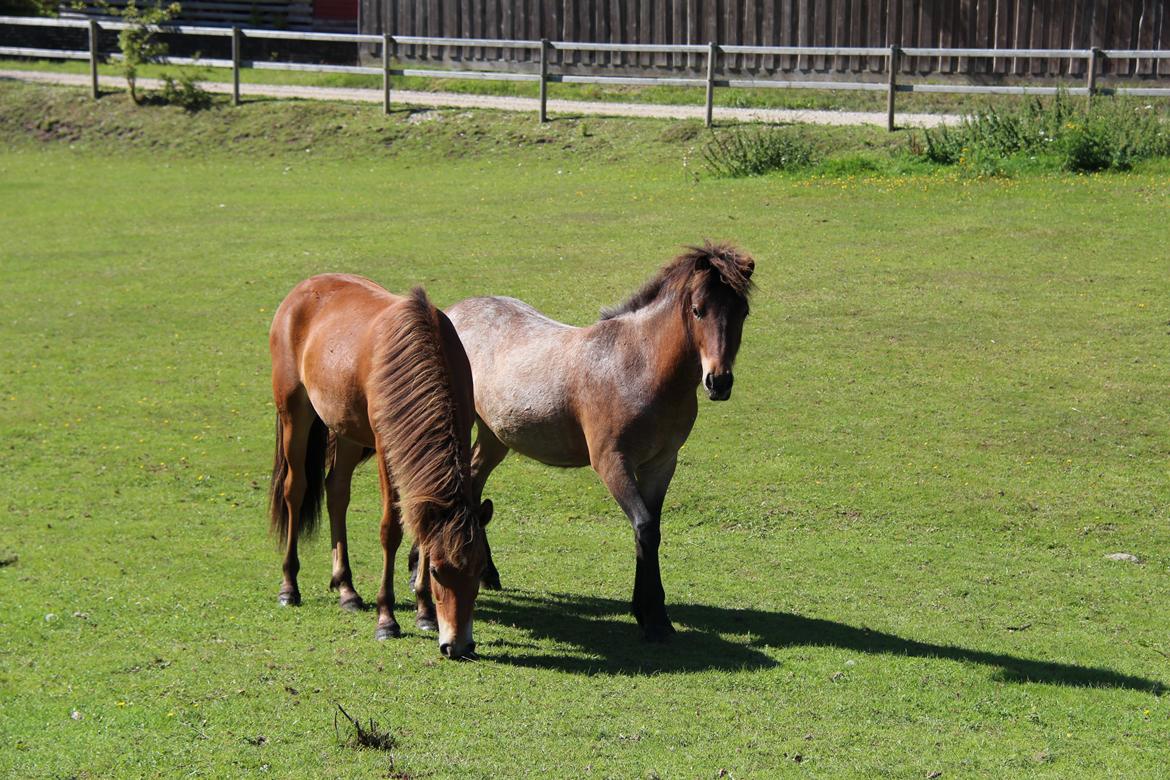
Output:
(1107, 24)
(276, 14)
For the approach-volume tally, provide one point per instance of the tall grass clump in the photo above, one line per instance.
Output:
(754, 152)
(1062, 133)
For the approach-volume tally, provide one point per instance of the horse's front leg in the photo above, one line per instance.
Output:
(391, 536)
(488, 453)
(425, 618)
(649, 602)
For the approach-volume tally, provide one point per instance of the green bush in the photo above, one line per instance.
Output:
(1112, 134)
(185, 92)
(753, 152)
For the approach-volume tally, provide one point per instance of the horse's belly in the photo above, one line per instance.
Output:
(346, 416)
(553, 439)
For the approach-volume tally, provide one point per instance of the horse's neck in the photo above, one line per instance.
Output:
(661, 332)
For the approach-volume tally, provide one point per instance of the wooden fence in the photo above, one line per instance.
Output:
(954, 24)
(713, 56)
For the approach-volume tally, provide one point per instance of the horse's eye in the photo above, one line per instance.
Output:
(695, 310)
(434, 571)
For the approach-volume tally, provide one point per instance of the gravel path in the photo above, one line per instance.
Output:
(562, 107)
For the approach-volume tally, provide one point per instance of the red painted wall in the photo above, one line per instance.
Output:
(341, 10)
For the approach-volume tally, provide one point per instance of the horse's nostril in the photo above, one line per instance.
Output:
(709, 381)
(445, 649)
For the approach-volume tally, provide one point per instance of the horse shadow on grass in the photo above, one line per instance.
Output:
(596, 636)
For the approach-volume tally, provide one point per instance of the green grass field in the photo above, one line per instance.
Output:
(886, 555)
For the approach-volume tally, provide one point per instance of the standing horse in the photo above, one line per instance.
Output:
(618, 395)
(357, 371)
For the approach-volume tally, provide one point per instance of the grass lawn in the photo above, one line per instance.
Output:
(886, 555)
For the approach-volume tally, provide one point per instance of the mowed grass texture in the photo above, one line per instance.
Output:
(886, 555)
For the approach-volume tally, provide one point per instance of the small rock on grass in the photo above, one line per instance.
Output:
(1123, 556)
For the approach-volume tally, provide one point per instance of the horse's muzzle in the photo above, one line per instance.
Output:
(718, 386)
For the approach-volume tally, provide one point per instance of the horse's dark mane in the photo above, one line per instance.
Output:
(731, 266)
(415, 421)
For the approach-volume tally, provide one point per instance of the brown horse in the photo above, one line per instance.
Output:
(357, 371)
(618, 395)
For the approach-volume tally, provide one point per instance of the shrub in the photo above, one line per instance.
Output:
(137, 42)
(744, 152)
(1111, 135)
(185, 91)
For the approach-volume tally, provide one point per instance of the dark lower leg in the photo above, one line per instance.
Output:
(424, 616)
(290, 595)
(649, 602)
(490, 579)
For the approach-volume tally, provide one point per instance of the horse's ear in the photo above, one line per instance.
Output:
(485, 512)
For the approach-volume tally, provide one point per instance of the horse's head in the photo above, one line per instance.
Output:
(717, 305)
(451, 566)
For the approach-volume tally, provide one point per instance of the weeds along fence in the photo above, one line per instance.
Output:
(713, 55)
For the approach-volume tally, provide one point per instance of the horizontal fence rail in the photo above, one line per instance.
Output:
(712, 53)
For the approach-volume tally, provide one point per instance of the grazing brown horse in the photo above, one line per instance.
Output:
(618, 395)
(357, 371)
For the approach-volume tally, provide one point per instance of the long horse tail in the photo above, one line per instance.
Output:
(317, 455)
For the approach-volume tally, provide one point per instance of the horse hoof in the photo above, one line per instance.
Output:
(353, 604)
(659, 633)
(426, 624)
(289, 599)
(391, 631)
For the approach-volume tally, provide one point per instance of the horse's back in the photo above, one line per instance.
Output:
(324, 300)
(526, 377)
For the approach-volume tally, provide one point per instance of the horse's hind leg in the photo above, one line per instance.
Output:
(346, 456)
(296, 417)
(391, 536)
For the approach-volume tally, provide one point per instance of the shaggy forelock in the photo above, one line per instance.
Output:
(731, 266)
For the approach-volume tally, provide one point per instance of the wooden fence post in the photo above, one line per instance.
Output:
(544, 47)
(386, 41)
(1091, 77)
(893, 87)
(712, 53)
(93, 58)
(235, 65)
